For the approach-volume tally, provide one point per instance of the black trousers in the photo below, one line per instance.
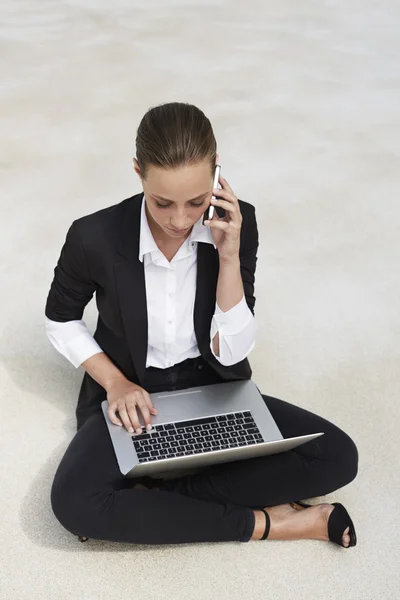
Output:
(90, 497)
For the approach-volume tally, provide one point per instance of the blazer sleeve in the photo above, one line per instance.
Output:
(72, 287)
(248, 260)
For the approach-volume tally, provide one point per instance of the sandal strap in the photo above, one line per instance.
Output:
(267, 525)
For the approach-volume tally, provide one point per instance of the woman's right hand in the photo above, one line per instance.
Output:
(126, 398)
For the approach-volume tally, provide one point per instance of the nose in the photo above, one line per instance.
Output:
(180, 222)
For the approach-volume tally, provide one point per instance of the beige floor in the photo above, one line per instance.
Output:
(304, 98)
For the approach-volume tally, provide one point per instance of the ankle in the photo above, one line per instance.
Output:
(259, 525)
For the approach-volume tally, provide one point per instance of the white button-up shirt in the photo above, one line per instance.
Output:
(170, 293)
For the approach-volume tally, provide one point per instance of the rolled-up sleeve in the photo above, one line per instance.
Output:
(237, 333)
(72, 339)
(71, 290)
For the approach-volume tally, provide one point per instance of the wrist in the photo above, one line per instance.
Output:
(113, 380)
(230, 261)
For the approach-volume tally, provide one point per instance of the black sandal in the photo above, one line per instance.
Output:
(338, 521)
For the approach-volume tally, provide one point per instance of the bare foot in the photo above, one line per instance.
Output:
(288, 523)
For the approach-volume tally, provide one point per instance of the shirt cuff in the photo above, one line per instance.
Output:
(233, 320)
(236, 334)
(73, 340)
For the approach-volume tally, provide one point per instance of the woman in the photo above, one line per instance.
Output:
(176, 309)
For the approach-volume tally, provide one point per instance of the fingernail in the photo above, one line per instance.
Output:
(130, 429)
(138, 430)
(148, 427)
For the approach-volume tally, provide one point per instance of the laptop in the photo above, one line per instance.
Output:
(200, 426)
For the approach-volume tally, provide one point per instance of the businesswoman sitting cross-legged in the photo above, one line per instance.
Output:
(176, 310)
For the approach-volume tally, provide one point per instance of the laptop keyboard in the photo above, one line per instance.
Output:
(197, 436)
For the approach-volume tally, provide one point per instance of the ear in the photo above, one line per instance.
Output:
(217, 159)
(137, 168)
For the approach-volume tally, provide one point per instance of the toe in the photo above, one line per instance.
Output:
(346, 537)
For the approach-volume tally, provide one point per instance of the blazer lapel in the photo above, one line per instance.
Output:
(131, 289)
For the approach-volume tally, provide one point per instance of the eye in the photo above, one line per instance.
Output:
(167, 205)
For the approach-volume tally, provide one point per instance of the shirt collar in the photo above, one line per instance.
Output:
(199, 233)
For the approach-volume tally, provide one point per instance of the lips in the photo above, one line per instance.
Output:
(179, 231)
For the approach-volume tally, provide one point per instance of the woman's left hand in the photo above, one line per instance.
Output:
(226, 230)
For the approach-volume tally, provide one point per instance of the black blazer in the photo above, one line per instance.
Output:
(100, 255)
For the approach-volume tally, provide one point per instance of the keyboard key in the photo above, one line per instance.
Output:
(197, 422)
(141, 437)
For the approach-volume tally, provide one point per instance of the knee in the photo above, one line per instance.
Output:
(69, 505)
(346, 453)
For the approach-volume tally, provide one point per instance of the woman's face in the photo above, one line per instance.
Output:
(176, 199)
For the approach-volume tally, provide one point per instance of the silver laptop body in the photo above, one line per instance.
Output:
(214, 401)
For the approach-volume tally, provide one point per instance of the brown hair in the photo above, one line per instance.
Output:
(174, 135)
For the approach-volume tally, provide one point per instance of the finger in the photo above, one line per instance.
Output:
(112, 416)
(225, 197)
(225, 204)
(150, 404)
(144, 409)
(225, 184)
(130, 421)
(218, 224)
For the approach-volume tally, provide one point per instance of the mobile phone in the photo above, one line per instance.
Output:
(208, 214)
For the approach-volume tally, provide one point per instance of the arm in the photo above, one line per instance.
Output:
(233, 326)
(71, 290)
